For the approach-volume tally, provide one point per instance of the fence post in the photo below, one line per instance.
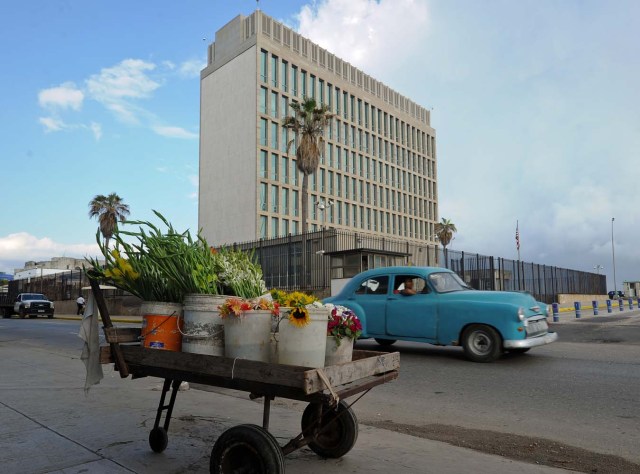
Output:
(577, 307)
(554, 307)
(630, 303)
(621, 304)
(595, 307)
(609, 308)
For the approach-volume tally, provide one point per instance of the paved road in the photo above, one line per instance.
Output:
(583, 390)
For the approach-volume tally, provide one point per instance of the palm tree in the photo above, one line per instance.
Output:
(444, 232)
(109, 210)
(308, 123)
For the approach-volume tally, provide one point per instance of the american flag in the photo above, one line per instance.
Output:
(517, 237)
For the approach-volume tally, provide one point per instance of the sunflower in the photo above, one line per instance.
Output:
(299, 316)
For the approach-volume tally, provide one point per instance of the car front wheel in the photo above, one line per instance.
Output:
(385, 342)
(481, 343)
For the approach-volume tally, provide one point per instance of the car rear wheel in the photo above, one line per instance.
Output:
(481, 343)
(385, 342)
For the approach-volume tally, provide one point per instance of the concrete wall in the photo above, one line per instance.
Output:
(228, 198)
(585, 300)
(117, 306)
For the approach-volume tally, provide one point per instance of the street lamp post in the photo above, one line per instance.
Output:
(597, 268)
(613, 254)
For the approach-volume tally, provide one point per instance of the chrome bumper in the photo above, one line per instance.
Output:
(531, 341)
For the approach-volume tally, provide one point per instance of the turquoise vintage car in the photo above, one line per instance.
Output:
(433, 305)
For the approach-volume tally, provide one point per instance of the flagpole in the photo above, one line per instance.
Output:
(518, 238)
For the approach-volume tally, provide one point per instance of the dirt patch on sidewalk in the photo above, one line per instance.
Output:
(520, 448)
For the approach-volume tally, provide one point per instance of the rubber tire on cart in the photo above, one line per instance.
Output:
(481, 343)
(246, 448)
(385, 342)
(158, 439)
(340, 434)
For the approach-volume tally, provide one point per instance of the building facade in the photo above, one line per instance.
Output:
(378, 172)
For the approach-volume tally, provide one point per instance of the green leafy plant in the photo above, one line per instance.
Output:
(158, 265)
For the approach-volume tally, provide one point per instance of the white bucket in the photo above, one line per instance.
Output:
(338, 354)
(247, 336)
(304, 346)
(203, 332)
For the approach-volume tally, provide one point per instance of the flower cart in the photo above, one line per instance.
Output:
(329, 426)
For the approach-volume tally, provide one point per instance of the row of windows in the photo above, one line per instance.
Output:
(353, 216)
(283, 200)
(279, 74)
(277, 137)
(331, 176)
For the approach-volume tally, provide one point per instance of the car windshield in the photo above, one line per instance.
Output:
(33, 296)
(447, 282)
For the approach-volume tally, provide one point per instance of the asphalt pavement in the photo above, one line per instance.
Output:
(49, 425)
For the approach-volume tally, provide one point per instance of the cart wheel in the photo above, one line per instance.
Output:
(246, 448)
(341, 430)
(158, 439)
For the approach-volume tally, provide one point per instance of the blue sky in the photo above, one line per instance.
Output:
(535, 106)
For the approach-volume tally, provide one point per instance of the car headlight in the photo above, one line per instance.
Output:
(521, 315)
(27, 305)
(52, 305)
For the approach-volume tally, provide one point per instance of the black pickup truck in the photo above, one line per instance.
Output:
(28, 304)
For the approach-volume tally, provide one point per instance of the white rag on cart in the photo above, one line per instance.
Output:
(89, 333)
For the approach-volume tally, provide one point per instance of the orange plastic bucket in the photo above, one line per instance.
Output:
(162, 331)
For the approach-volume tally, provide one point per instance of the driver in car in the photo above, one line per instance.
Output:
(408, 289)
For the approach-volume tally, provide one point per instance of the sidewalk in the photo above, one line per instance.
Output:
(50, 426)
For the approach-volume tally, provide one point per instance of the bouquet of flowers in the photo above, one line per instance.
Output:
(343, 322)
(298, 302)
(237, 307)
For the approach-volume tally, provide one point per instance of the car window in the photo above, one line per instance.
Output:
(419, 284)
(447, 282)
(373, 286)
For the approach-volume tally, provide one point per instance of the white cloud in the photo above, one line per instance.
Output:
(52, 124)
(169, 64)
(192, 67)
(96, 128)
(64, 96)
(372, 35)
(116, 87)
(174, 132)
(18, 248)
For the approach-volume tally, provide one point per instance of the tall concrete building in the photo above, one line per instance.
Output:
(378, 171)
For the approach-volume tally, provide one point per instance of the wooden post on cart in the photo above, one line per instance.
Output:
(121, 365)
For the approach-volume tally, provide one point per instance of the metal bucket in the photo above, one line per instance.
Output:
(248, 336)
(203, 331)
(304, 346)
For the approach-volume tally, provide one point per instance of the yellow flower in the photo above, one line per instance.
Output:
(299, 317)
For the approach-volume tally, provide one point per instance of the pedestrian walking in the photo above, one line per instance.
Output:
(80, 303)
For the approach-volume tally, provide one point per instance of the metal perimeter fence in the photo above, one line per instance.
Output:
(311, 261)
(335, 254)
